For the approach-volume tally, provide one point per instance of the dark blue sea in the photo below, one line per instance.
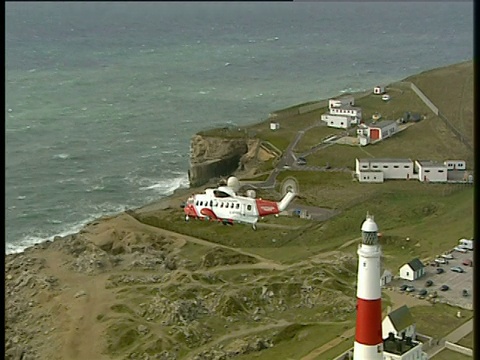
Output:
(103, 98)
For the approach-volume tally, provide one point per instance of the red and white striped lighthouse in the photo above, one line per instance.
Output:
(368, 333)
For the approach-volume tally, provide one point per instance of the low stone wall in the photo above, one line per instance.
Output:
(458, 348)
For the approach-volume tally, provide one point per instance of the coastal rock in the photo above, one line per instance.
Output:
(213, 157)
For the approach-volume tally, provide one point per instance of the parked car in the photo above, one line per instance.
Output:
(441, 260)
(464, 292)
(440, 270)
(403, 287)
(460, 249)
(447, 256)
(422, 292)
(457, 269)
(301, 161)
(385, 97)
(444, 288)
(428, 283)
(410, 288)
(467, 262)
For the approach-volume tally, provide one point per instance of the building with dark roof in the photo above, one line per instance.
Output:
(399, 322)
(412, 270)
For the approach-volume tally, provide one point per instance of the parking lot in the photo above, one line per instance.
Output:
(455, 281)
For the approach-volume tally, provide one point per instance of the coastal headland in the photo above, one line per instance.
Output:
(143, 284)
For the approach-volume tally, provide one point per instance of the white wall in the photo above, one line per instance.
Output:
(390, 169)
(455, 164)
(432, 173)
(336, 121)
(341, 101)
(371, 176)
(387, 327)
(407, 273)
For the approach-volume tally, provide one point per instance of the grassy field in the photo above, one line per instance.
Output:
(467, 341)
(432, 216)
(314, 137)
(455, 101)
(450, 355)
(438, 320)
(428, 139)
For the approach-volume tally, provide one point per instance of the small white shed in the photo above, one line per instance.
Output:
(412, 270)
(386, 278)
(274, 125)
(379, 90)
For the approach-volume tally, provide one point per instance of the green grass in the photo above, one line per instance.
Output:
(402, 99)
(433, 216)
(448, 354)
(467, 341)
(314, 137)
(294, 342)
(445, 319)
(455, 100)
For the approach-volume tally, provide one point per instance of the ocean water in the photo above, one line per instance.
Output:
(103, 98)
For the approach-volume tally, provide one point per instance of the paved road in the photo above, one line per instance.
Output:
(289, 159)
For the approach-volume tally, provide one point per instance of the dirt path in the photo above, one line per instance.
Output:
(86, 298)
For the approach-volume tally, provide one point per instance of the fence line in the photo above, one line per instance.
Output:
(437, 112)
(458, 348)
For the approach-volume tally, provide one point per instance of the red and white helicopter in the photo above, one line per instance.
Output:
(224, 205)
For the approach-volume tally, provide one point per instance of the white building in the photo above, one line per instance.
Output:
(390, 168)
(400, 323)
(274, 125)
(412, 270)
(382, 130)
(371, 176)
(363, 140)
(386, 278)
(355, 113)
(346, 100)
(455, 164)
(431, 171)
(379, 90)
(403, 349)
(337, 121)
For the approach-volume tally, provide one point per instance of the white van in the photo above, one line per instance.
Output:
(466, 244)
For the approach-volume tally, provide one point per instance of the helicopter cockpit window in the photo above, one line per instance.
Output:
(220, 194)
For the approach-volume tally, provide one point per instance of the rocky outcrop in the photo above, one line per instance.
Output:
(212, 157)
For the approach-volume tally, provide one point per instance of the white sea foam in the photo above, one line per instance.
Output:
(72, 228)
(61, 156)
(167, 186)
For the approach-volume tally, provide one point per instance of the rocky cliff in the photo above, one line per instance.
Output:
(212, 157)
